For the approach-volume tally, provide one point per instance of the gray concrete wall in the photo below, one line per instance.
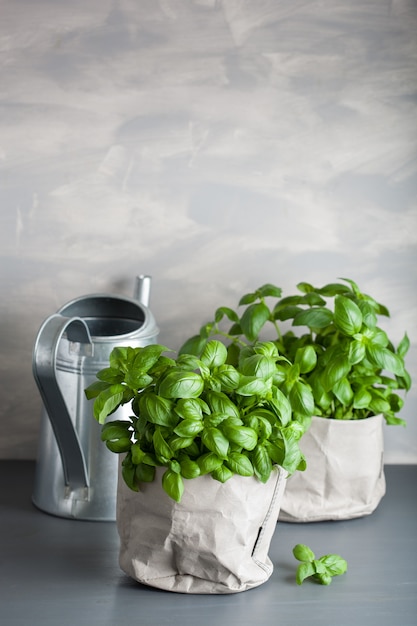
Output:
(214, 144)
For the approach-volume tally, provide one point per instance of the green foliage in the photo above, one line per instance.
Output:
(343, 364)
(321, 570)
(199, 414)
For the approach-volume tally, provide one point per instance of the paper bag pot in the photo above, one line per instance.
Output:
(344, 478)
(215, 541)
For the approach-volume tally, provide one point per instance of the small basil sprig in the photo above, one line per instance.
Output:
(200, 415)
(321, 570)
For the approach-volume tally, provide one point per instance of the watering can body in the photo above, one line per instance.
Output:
(76, 475)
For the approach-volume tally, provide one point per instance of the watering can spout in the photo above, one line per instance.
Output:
(143, 289)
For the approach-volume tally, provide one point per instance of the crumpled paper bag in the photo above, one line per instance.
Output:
(344, 478)
(215, 541)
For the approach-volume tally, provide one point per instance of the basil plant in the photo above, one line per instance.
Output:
(332, 336)
(198, 415)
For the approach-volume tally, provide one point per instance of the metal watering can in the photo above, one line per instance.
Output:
(76, 475)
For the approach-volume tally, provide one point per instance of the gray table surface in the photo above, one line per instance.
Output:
(59, 572)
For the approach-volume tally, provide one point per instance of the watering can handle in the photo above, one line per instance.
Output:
(44, 371)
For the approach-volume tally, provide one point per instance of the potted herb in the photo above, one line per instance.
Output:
(205, 456)
(332, 336)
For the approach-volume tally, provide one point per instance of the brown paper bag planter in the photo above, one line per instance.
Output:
(205, 457)
(215, 541)
(349, 371)
(344, 478)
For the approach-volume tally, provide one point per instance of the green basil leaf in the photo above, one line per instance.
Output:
(145, 473)
(337, 368)
(209, 462)
(228, 377)
(189, 469)
(220, 403)
(191, 408)
(385, 359)
(267, 348)
(276, 451)
(147, 356)
(396, 403)
(241, 435)
(253, 320)
(129, 473)
(334, 564)
(179, 443)
(95, 389)
(379, 404)
(235, 329)
(120, 357)
(193, 450)
(214, 419)
(225, 311)
(137, 453)
(252, 386)
(306, 357)
(195, 345)
(368, 313)
(356, 352)
(233, 352)
(181, 384)
(173, 484)
(107, 402)
(214, 354)
(293, 455)
(304, 570)
(333, 289)
(322, 398)
(110, 375)
(353, 285)
(376, 337)
(287, 312)
(323, 579)
(281, 405)
(261, 463)
(361, 398)
(305, 287)
(174, 466)
(189, 428)
(317, 317)
(190, 362)
(258, 365)
(239, 464)
(137, 380)
(289, 301)
(264, 428)
(157, 410)
(343, 391)
(404, 381)
(269, 290)
(222, 474)
(117, 429)
(150, 459)
(248, 298)
(301, 399)
(347, 316)
(215, 441)
(303, 552)
(319, 567)
(162, 449)
(403, 346)
(119, 445)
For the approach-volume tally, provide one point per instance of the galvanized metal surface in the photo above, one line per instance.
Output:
(76, 474)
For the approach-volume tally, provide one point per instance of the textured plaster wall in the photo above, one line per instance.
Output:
(214, 144)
